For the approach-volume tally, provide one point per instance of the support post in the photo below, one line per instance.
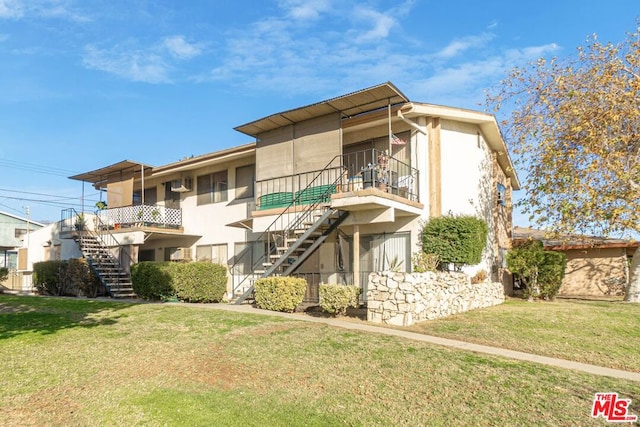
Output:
(356, 255)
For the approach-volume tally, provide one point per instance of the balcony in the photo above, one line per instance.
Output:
(369, 180)
(141, 216)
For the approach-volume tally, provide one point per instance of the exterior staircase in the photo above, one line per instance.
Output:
(288, 245)
(106, 266)
(94, 242)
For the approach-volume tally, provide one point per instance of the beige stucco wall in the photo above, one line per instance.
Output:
(595, 272)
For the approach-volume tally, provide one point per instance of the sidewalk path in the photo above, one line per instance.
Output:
(518, 355)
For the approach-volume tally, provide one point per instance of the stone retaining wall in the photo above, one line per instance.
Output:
(406, 298)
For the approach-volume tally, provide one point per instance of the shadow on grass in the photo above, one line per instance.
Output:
(20, 315)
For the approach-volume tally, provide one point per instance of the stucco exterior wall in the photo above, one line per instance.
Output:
(468, 182)
(595, 272)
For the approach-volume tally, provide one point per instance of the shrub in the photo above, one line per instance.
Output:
(279, 293)
(79, 279)
(4, 273)
(46, 278)
(198, 281)
(151, 280)
(551, 273)
(189, 282)
(423, 262)
(479, 277)
(457, 240)
(540, 271)
(335, 299)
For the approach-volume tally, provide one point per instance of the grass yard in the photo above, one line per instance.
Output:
(85, 362)
(597, 332)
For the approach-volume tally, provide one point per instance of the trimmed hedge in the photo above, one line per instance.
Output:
(72, 277)
(150, 280)
(457, 240)
(46, 278)
(279, 293)
(190, 282)
(335, 299)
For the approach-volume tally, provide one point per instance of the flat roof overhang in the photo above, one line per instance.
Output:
(349, 105)
(113, 173)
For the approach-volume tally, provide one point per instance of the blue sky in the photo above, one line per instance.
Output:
(87, 83)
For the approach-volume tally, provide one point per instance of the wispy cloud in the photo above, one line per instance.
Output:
(11, 9)
(48, 9)
(463, 44)
(381, 24)
(133, 61)
(180, 48)
(135, 65)
(305, 9)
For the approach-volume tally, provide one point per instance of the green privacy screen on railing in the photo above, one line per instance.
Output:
(303, 197)
(275, 200)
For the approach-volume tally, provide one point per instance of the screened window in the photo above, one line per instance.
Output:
(245, 177)
(212, 188)
(214, 253)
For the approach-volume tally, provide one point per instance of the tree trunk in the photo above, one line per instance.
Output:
(633, 288)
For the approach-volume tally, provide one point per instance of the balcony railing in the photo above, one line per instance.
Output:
(141, 216)
(359, 170)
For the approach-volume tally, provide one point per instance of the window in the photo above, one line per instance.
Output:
(245, 176)
(19, 232)
(247, 255)
(212, 188)
(502, 194)
(214, 253)
(150, 197)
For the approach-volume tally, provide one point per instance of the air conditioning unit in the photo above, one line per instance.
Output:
(181, 185)
(181, 254)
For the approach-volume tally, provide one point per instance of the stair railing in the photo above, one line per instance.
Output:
(283, 226)
(72, 220)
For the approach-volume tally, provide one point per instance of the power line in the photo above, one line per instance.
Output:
(47, 195)
(31, 167)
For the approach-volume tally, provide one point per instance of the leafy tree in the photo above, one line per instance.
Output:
(575, 129)
(525, 261)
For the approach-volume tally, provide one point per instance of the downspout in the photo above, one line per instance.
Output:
(411, 123)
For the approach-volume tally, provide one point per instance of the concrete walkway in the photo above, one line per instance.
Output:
(478, 348)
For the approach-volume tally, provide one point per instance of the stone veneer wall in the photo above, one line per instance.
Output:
(405, 298)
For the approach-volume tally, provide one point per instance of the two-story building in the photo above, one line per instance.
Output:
(15, 232)
(329, 191)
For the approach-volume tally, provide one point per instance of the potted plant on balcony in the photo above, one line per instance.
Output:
(80, 223)
(382, 170)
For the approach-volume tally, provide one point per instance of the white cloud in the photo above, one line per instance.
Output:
(11, 9)
(180, 48)
(381, 24)
(463, 44)
(59, 9)
(135, 65)
(305, 9)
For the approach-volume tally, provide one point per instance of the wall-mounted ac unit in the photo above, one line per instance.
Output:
(181, 185)
(181, 254)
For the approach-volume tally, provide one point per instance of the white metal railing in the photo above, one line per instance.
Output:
(141, 215)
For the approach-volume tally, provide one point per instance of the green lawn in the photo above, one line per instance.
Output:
(597, 332)
(83, 362)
